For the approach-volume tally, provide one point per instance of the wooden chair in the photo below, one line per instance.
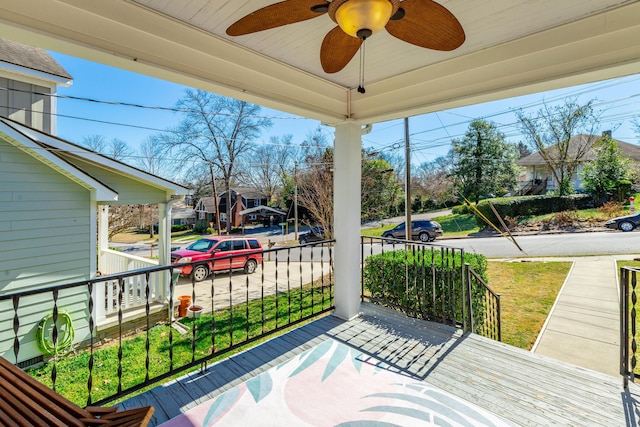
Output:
(26, 402)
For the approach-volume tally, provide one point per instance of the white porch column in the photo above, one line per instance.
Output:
(103, 237)
(346, 218)
(103, 244)
(164, 245)
(164, 233)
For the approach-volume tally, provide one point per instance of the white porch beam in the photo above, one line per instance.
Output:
(346, 218)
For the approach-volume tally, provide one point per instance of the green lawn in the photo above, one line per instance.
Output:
(527, 293)
(230, 327)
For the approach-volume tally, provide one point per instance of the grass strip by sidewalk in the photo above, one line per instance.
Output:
(527, 293)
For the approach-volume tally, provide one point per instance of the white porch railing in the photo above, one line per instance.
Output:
(134, 292)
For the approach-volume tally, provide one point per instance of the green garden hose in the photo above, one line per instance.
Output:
(65, 334)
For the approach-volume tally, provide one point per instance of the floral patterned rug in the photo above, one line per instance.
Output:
(334, 385)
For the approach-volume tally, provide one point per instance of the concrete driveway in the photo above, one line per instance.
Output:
(237, 287)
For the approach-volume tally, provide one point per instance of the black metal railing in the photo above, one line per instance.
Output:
(485, 306)
(429, 281)
(629, 331)
(140, 347)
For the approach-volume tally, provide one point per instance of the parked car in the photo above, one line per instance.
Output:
(624, 223)
(315, 234)
(423, 230)
(243, 254)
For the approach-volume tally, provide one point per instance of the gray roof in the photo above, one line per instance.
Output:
(263, 210)
(629, 150)
(30, 57)
(208, 203)
(246, 192)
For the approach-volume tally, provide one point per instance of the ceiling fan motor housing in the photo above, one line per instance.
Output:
(362, 18)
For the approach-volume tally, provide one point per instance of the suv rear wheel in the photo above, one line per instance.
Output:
(250, 266)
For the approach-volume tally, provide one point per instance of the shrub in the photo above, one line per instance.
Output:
(462, 210)
(529, 206)
(201, 226)
(566, 218)
(611, 209)
(424, 283)
(511, 223)
(180, 227)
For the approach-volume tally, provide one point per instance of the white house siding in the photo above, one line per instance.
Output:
(44, 240)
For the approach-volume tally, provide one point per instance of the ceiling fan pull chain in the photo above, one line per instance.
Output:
(361, 82)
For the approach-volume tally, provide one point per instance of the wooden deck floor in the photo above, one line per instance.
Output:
(525, 388)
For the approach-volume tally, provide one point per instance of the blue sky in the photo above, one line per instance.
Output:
(430, 134)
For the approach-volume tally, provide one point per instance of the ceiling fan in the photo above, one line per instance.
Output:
(423, 23)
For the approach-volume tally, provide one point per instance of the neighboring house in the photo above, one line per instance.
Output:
(537, 178)
(241, 199)
(54, 200)
(53, 227)
(183, 214)
(28, 78)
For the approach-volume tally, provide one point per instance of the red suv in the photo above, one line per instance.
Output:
(236, 253)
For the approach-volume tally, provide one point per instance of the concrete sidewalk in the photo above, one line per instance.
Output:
(583, 325)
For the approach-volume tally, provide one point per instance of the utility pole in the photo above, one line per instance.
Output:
(407, 176)
(215, 199)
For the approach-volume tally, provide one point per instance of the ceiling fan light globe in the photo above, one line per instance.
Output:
(356, 15)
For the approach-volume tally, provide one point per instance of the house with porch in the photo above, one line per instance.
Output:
(55, 200)
(241, 198)
(537, 178)
(54, 230)
(303, 65)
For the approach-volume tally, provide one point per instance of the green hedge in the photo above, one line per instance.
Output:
(530, 206)
(423, 283)
(462, 210)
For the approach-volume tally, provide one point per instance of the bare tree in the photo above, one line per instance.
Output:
(126, 217)
(96, 143)
(116, 148)
(315, 187)
(215, 133)
(272, 163)
(312, 147)
(551, 132)
(150, 158)
(435, 181)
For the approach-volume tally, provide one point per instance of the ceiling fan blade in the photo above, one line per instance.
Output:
(277, 15)
(427, 24)
(337, 50)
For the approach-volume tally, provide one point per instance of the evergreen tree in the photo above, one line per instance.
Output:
(483, 162)
(609, 176)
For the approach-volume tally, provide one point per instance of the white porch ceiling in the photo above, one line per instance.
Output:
(512, 47)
